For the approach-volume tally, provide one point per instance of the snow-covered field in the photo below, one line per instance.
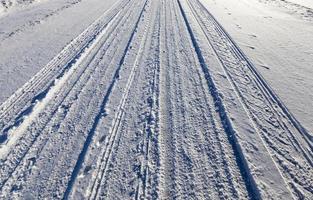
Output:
(157, 99)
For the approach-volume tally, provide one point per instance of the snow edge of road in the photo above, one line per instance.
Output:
(20, 104)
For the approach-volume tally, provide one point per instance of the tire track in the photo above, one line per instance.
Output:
(21, 103)
(21, 150)
(128, 172)
(97, 114)
(290, 147)
(149, 166)
(113, 135)
(100, 56)
(193, 141)
(167, 141)
(214, 139)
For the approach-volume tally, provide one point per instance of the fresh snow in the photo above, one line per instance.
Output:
(280, 45)
(156, 99)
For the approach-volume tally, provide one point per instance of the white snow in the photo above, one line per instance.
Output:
(31, 37)
(156, 99)
(7, 6)
(279, 43)
(306, 3)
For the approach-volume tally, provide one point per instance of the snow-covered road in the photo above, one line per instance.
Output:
(31, 37)
(153, 100)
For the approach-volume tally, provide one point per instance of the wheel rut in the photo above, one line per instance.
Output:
(154, 100)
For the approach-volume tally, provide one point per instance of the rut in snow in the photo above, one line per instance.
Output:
(153, 100)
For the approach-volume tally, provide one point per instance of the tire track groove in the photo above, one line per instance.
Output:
(28, 140)
(226, 122)
(283, 139)
(22, 102)
(113, 134)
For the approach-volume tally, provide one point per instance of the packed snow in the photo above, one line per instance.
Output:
(156, 99)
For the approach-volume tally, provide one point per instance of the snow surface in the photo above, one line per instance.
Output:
(31, 37)
(279, 43)
(156, 99)
(306, 3)
(10, 5)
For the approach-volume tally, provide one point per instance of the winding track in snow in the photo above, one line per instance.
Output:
(153, 100)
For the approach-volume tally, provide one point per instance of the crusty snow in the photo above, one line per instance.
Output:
(156, 99)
